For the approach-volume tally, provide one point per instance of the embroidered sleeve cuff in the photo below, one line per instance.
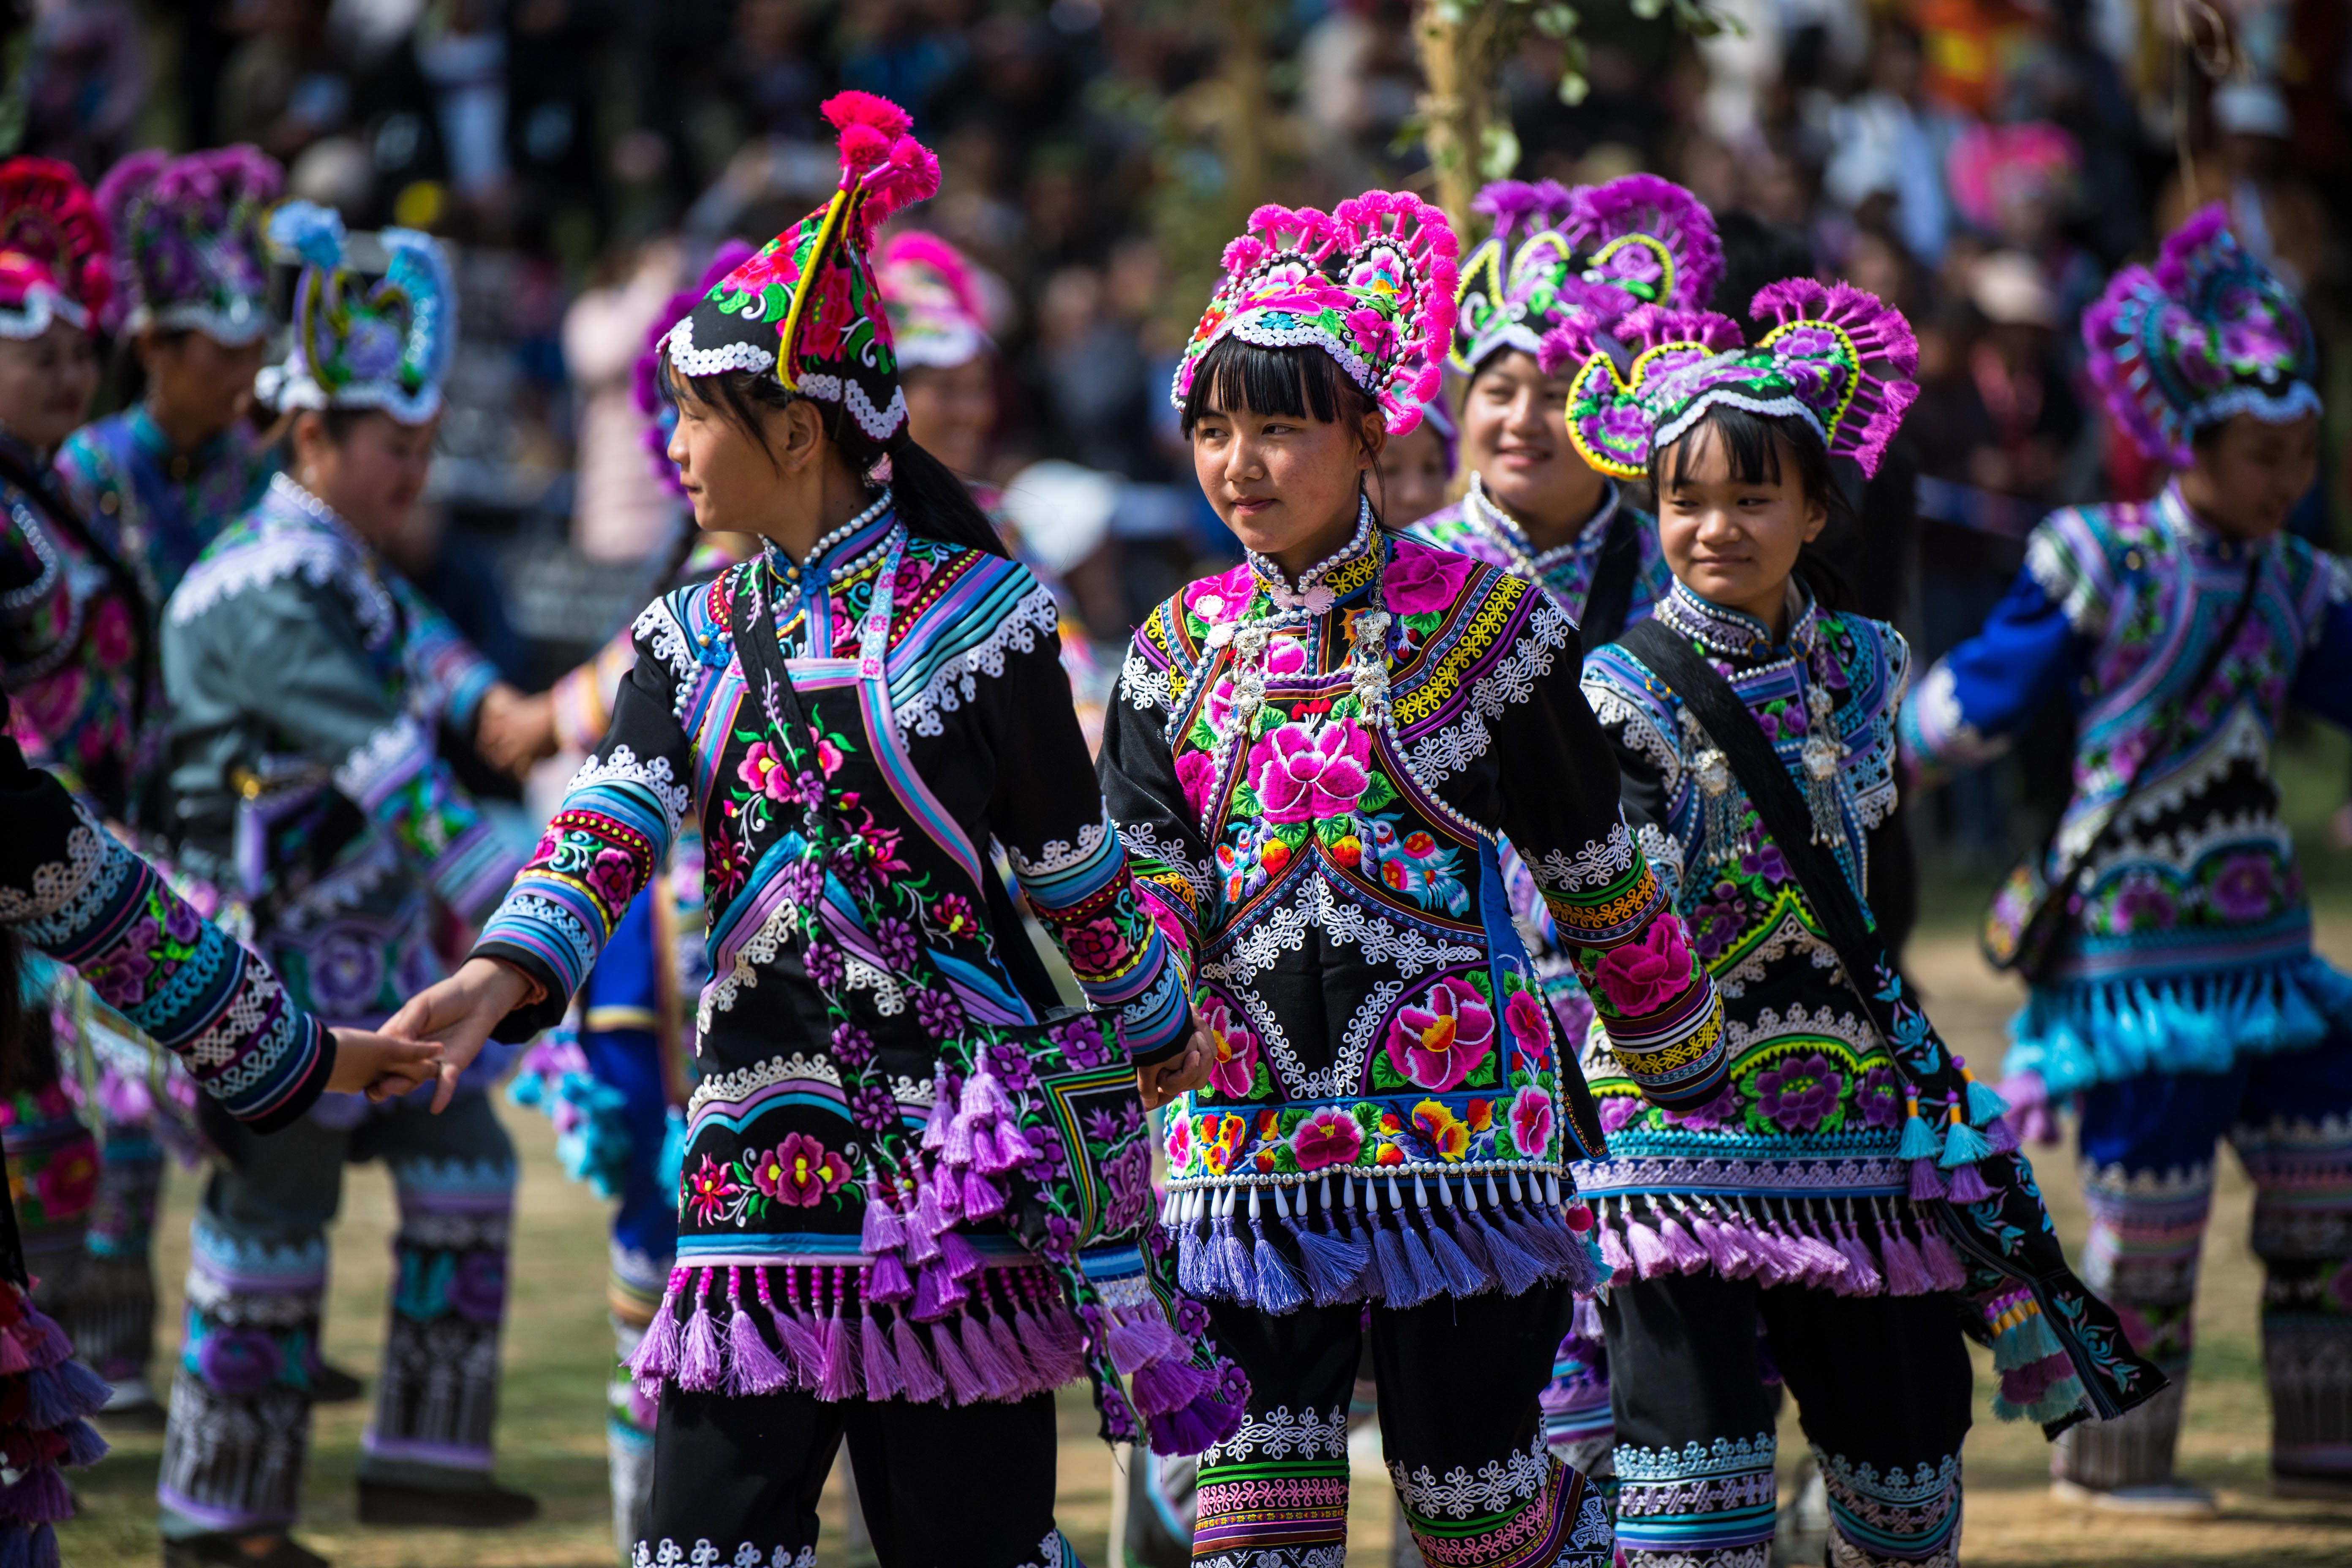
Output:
(542, 1012)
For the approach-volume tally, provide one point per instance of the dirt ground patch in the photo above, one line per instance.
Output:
(551, 1439)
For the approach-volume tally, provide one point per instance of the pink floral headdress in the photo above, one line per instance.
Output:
(1814, 363)
(807, 308)
(54, 248)
(934, 307)
(2209, 333)
(189, 251)
(1370, 283)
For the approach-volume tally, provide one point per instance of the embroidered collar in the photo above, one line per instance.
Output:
(1504, 529)
(1734, 634)
(840, 554)
(2195, 535)
(291, 495)
(179, 468)
(1330, 580)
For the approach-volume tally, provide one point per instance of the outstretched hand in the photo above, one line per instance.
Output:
(1163, 1082)
(379, 1066)
(515, 730)
(458, 1014)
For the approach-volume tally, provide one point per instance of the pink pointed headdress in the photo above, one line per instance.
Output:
(806, 308)
(2209, 333)
(1833, 356)
(934, 304)
(1370, 283)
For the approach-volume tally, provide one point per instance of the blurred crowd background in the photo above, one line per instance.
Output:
(1983, 163)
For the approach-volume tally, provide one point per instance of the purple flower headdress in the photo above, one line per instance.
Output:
(1582, 258)
(1813, 364)
(359, 342)
(2210, 333)
(1370, 283)
(645, 376)
(188, 243)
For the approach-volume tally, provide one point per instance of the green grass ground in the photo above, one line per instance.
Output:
(552, 1439)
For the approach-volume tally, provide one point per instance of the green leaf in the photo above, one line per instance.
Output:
(1261, 1084)
(1200, 737)
(1285, 1160)
(1267, 718)
(1377, 793)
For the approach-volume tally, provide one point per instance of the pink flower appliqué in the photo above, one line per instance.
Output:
(1438, 1041)
(1098, 947)
(1304, 777)
(1532, 1123)
(1180, 1143)
(1642, 977)
(800, 1171)
(1234, 1071)
(1327, 1138)
(1423, 581)
(764, 770)
(1196, 774)
(614, 877)
(1522, 1014)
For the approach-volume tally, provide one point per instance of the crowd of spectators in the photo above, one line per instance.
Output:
(1983, 163)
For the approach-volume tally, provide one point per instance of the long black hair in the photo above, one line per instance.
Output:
(931, 499)
(1754, 447)
(1299, 382)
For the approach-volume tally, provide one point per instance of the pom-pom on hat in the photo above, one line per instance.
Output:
(188, 250)
(54, 263)
(2209, 333)
(645, 376)
(936, 319)
(1814, 363)
(1581, 258)
(807, 308)
(1370, 283)
(359, 342)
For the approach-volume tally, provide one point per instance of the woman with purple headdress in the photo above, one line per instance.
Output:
(2174, 993)
(1313, 758)
(156, 482)
(1847, 1182)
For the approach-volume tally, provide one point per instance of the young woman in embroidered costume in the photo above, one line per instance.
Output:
(2179, 1001)
(76, 642)
(884, 1231)
(155, 483)
(1538, 510)
(308, 683)
(1311, 757)
(1847, 1177)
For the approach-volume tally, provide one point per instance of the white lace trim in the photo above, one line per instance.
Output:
(383, 761)
(1145, 683)
(667, 1554)
(1277, 1434)
(957, 679)
(1611, 709)
(318, 556)
(1496, 1486)
(692, 360)
(1059, 856)
(1599, 863)
(744, 1082)
(655, 778)
(57, 884)
(879, 423)
(1512, 680)
(658, 627)
(1143, 843)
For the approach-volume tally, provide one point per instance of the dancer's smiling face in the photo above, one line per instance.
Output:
(1738, 500)
(2249, 473)
(1281, 445)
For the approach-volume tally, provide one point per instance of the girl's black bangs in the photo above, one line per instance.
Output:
(1751, 445)
(1298, 382)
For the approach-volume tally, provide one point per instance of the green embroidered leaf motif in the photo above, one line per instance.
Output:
(1285, 1159)
(1377, 792)
(1423, 623)
(1268, 717)
(1384, 1076)
(1367, 1114)
(1261, 1084)
(1200, 737)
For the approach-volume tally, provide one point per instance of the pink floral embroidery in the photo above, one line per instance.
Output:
(1439, 1041)
(1522, 1014)
(1327, 1138)
(763, 769)
(1304, 777)
(800, 1171)
(709, 1189)
(1420, 581)
(1098, 947)
(1284, 657)
(1532, 1123)
(1180, 1141)
(1196, 775)
(1234, 1072)
(1642, 977)
(614, 877)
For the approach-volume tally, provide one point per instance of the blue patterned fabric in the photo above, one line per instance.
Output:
(2191, 944)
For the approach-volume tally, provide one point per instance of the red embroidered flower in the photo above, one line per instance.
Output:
(800, 1171)
(1642, 977)
(1302, 777)
(1440, 1040)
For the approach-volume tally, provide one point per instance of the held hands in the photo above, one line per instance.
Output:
(513, 731)
(1188, 1069)
(457, 1015)
(380, 1067)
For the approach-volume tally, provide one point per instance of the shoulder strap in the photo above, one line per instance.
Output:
(1611, 593)
(1778, 805)
(2062, 882)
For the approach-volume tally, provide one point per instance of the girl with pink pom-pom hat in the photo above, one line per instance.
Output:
(1312, 758)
